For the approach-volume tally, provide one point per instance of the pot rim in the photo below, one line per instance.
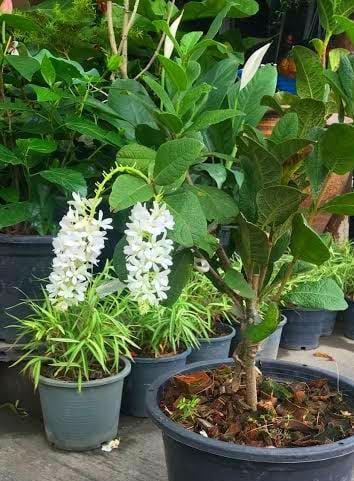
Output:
(88, 384)
(243, 452)
(26, 239)
(306, 309)
(155, 360)
(226, 337)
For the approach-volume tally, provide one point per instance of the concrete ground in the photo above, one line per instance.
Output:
(26, 456)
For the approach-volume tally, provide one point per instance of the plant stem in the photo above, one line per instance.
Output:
(251, 375)
(124, 41)
(111, 35)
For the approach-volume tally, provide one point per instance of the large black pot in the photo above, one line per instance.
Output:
(144, 371)
(190, 456)
(348, 319)
(24, 262)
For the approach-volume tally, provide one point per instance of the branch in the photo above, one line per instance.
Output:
(225, 261)
(124, 41)
(111, 36)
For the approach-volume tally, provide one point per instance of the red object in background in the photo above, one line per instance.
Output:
(101, 5)
(6, 6)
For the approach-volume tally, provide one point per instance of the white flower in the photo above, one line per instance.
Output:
(148, 253)
(77, 248)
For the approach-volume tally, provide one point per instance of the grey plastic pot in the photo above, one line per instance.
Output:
(348, 320)
(79, 421)
(24, 261)
(303, 329)
(213, 348)
(190, 456)
(144, 371)
(270, 347)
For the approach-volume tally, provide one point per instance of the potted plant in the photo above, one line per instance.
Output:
(78, 350)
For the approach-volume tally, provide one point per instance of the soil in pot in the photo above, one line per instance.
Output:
(348, 320)
(25, 260)
(191, 455)
(216, 347)
(79, 421)
(145, 370)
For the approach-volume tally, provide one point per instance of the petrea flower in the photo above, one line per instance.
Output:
(148, 252)
(77, 248)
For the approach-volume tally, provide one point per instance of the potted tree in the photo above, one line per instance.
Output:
(78, 350)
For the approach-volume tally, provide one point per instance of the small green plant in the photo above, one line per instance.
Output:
(83, 343)
(187, 407)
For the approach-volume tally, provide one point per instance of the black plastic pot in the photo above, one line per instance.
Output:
(79, 421)
(144, 372)
(24, 262)
(348, 319)
(190, 456)
(213, 348)
(303, 329)
(328, 322)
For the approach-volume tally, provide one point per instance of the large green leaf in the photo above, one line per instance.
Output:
(216, 204)
(336, 148)
(310, 81)
(277, 204)
(127, 190)
(311, 114)
(342, 204)
(216, 172)
(9, 157)
(191, 97)
(173, 158)
(48, 71)
(211, 117)
(42, 146)
(19, 22)
(258, 332)
(94, 131)
(149, 137)
(190, 222)
(175, 73)
(210, 8)
(45, 94)
(26, 66)
(171, 121)
(346, 25)
(15, 213)
(180, 274)
(323, 294)
(238, 283)
(135, 155)
(251, 243)
(288, 148)
(314, 168)
(306, 244)
(160, 92)
(286, 128)
(326, 11)
(69, 179)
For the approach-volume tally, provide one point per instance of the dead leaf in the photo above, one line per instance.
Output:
(318, 383)
(324, 355)
(193, 383)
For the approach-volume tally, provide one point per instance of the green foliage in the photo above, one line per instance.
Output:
(81, 344)
(323, 294)
(187, 407)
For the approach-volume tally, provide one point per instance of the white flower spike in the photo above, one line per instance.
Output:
(77, 248)
(148, 253)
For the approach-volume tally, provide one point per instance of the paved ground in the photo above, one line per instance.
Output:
(26, 456)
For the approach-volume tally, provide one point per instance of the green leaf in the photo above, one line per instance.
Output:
(46, 95)
(323, 294)
(128, 190)
(13, 214)
(171, 121)
(258, 332)
(342, 204)
(9, 194)
(175, 73)
(216, 204)
(310, 81)
(326, 11)
(190, 221)
(306, 244)
(9, 157)
(25, 66)
(336, 148)
(135, 155)
(192, 96)
(160, 92)
(189, 40)
(311, 114)
(181, 271)
(270, 386)
(48, 71)
(346, 25)
(92, 130)
(251, 243)
(42, 146)
(69, 179)
(279, 248)
(216, 171)
(276, 204)
(284, 150)
(174, 158)
(211, 117)
(119, 260)
(314, 168)
(286, 128)
(19, 22)
(238, 283)
(149, 137)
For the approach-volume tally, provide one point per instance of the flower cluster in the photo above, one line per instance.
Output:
(148, 252)
(77, 248)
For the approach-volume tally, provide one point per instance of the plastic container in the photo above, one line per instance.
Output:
(190, 456)
(303, 329)
(25, 261)
(79, 421)
(328, 322)
(144, 371)
(286, 84)
(348, 320)
(213, 348)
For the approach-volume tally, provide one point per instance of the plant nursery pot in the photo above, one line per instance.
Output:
(190, 456)
(144, 371)
(348, 319)
(328, 322)
(79, 421)
(269, 347)
(303, 329)
(24, 262)
(213, 348)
